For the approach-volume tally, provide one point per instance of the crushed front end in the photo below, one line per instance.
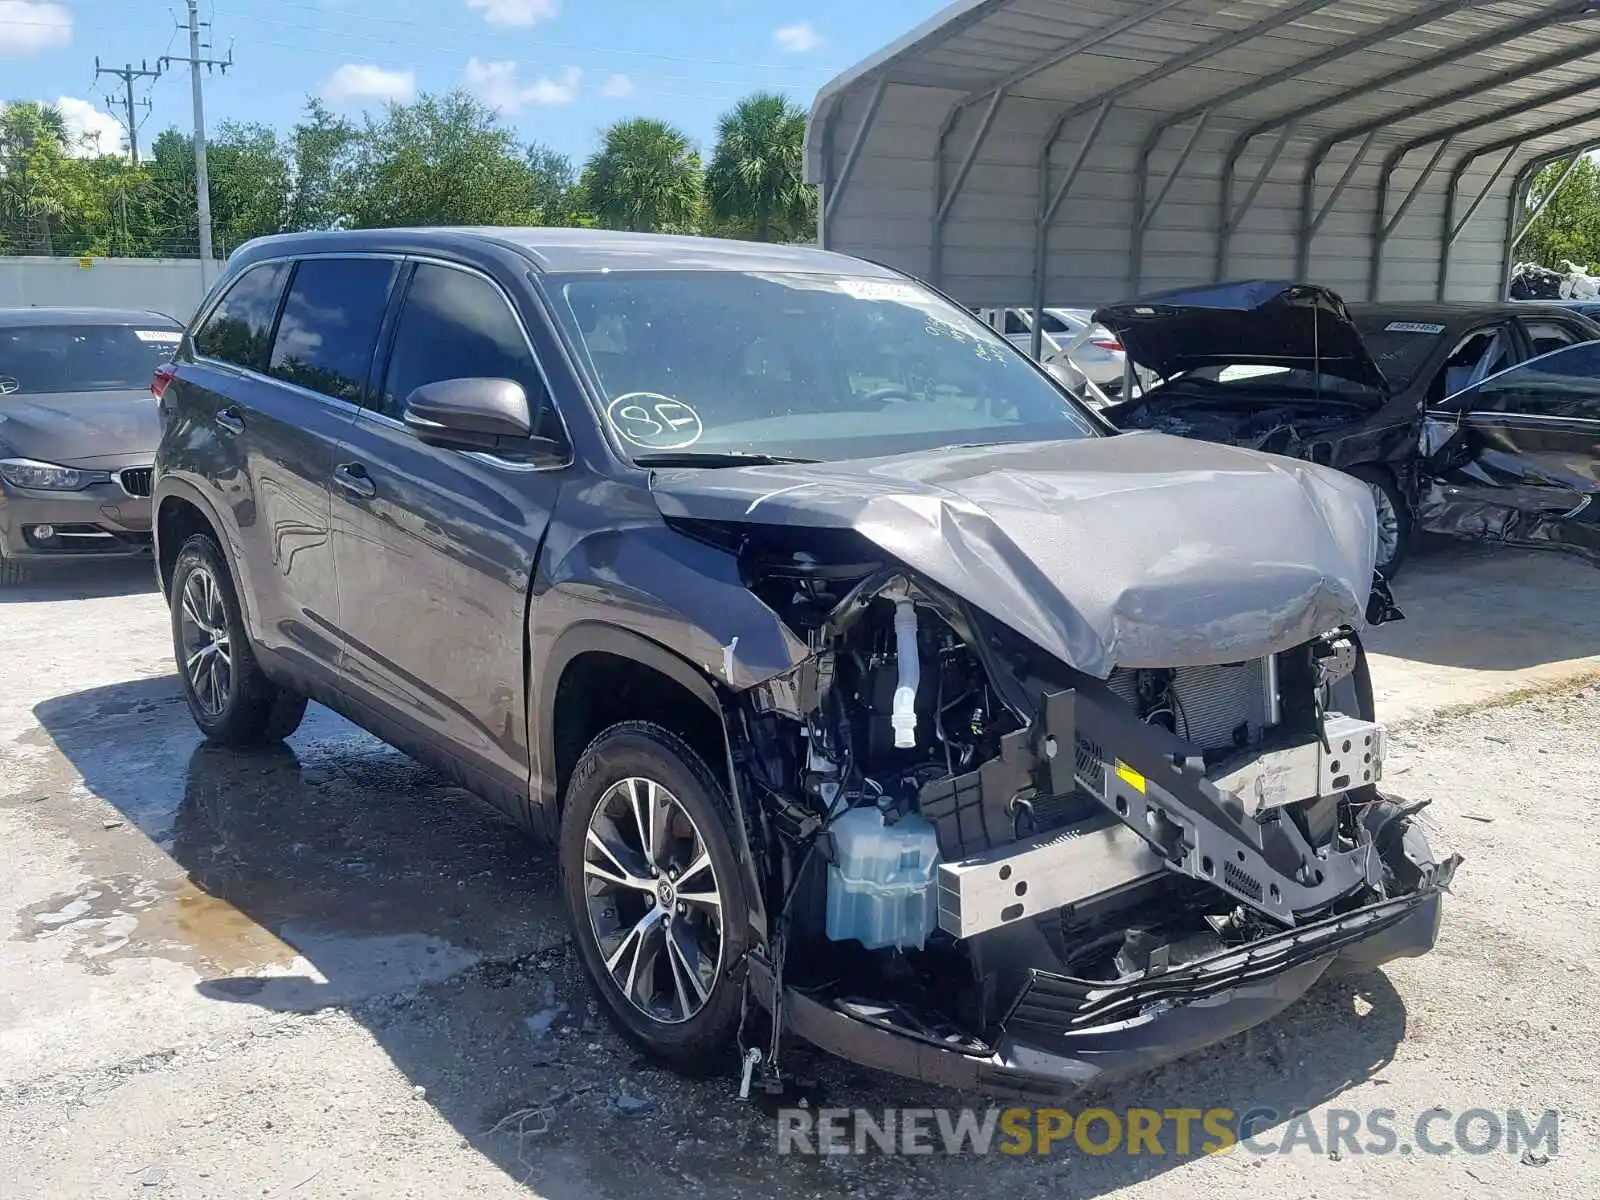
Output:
(988, 869)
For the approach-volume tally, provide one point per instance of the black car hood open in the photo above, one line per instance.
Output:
(1263, 321)
(81, 429)
(1136, 550)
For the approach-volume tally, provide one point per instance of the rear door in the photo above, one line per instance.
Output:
(436, 547)
(261, 448)
(1516, 457)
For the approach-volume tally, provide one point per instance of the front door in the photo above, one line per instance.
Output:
(1516, 457)
(435, 547)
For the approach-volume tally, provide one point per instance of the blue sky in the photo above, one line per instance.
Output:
(559, 70)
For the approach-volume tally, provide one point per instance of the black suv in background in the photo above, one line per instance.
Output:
(870, 688)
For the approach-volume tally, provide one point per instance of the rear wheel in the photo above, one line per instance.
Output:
(1394, 518)
(232, 701)
(655, 895)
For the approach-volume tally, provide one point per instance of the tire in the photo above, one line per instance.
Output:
(658, 1013)
(231, 700)
(12, 572)
(1386, 496)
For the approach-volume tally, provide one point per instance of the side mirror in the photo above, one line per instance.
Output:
(471, 414)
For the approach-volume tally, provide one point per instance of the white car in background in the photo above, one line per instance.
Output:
(1066, 333)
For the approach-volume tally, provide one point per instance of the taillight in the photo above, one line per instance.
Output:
(163, 376)
(1105, 343)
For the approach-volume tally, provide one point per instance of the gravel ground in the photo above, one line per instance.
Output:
(320, 972)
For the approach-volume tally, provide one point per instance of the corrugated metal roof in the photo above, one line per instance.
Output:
(991, 88)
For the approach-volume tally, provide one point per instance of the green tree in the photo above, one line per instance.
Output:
(441, 160)
(322, 150)
(1569, 227)
(645, 177)
(39, 183)
(755, 183)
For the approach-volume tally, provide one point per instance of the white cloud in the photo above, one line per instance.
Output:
(89, 131)
(618, 87)
(27, 27)
(516, 12)
(363, 81)
(797, 38)
(495, 82)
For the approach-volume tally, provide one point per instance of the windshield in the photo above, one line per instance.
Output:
(1400, 348)
(801, 366)
(44, 359)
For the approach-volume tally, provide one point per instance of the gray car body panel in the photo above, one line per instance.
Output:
(1139, 550)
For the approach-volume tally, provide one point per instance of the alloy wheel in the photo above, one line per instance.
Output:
(207, 645)
(1388, 523)
(653, 899)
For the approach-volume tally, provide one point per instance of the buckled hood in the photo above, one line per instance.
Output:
(1137, 550)
(1263, 321)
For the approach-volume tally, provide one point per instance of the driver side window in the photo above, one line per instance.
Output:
(1480, 354)
(457, 325)
(1562, 384)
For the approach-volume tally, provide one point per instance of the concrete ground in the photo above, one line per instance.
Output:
(319, 972)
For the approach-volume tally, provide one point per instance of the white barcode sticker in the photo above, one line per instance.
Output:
(162, 337)
(1412, 327)
(880, 289)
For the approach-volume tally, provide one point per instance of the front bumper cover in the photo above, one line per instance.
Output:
(1063, 1034)
(103, 521)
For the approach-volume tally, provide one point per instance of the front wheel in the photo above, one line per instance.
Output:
(654, 893)
(229, 696)
(1394, 518)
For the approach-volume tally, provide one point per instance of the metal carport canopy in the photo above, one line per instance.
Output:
(1076, 152)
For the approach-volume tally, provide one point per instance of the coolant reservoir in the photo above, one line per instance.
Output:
(881, 884)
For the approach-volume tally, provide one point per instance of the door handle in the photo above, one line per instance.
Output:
(229, 420)
(353, 478)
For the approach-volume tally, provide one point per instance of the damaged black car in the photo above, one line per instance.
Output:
(873, 690)
(1293, 369)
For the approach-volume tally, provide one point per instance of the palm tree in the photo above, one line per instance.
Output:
(756, 181)
(645, 177)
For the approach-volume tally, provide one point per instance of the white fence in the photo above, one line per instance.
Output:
(169, 285)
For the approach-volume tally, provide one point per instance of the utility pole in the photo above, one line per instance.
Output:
(128, 74)
(202, 184)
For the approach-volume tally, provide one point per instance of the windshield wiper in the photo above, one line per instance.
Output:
(714, 458)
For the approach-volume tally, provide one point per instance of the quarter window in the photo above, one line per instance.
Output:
(239, 328)
(329, 328)
(1546, 336)
(456, 325)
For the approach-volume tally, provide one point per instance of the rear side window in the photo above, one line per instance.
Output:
(1546, 336)
(240, 327)
(51, 359)
(456, 325)
(329, 328)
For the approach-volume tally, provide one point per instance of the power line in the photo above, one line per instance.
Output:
(575, 46)
(128, 74)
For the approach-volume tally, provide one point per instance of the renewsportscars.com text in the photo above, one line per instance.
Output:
(1168, 1132)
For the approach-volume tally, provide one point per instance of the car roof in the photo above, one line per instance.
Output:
(562, 250)
(12, 318)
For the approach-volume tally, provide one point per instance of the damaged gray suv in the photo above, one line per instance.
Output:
(872, 690)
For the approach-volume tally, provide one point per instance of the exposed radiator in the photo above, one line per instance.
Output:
(1210, 705)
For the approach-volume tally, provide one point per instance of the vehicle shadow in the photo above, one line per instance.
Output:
(1492, 608)
(82, 581)
(333, 872)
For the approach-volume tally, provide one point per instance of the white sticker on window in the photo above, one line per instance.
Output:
(162, 337)
(1412, 327)
(653, 421)
(880, 289)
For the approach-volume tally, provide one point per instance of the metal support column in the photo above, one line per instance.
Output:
(1451, 229)
(830, 202)
(1049, 205)
(1142, 216)
(944, 201)
(1381, 230)
(1310, 225)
